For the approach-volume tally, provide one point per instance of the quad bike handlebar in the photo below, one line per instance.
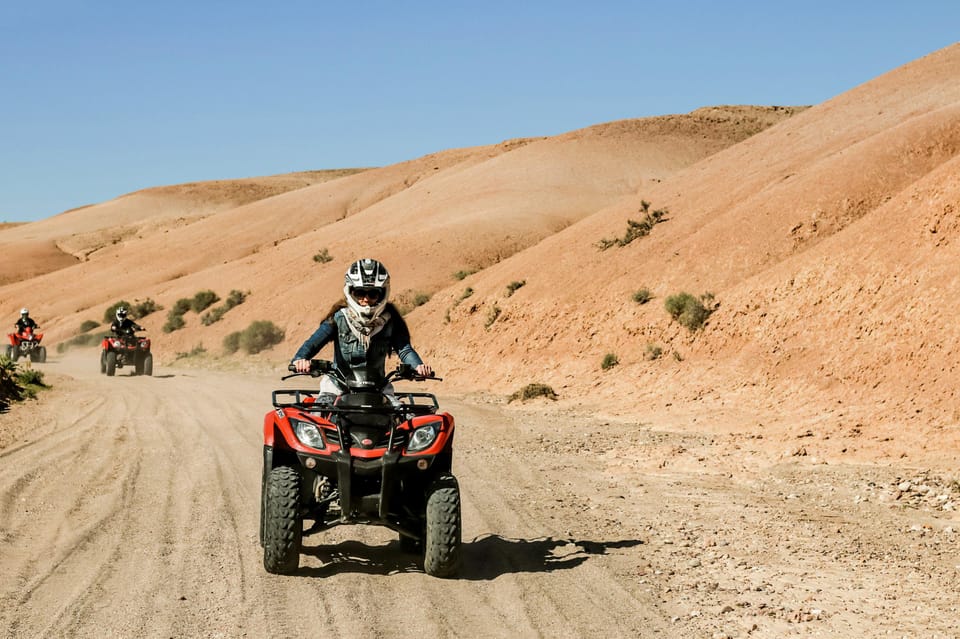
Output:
(320, 367)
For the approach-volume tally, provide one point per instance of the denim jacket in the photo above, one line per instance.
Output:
(350, 357)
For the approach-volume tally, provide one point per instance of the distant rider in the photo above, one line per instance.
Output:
(25, 322)
(364, 330)
(123, 325)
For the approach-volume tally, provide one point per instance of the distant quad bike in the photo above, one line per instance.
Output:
(127, 349)
(26, 344)
(395, 470)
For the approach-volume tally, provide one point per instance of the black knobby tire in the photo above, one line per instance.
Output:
(147, 368)
(103, 361)
(441, 547)
(138, 364)
(282, 524)
(42, 355)
(111, 364)
(9, 352)
(15, 354)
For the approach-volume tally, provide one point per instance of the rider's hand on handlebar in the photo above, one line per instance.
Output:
(301, 365)
(424, 370)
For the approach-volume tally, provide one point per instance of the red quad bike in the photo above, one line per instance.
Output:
(26, 344)
(394, 471)
(118, 351)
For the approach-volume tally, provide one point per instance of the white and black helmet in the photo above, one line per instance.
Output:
(24, 311)
(368, 280)
(121, 314)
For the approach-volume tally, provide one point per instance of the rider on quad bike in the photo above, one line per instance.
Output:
(25, 340)
(125, 347)
(395, 469)
(123, 324)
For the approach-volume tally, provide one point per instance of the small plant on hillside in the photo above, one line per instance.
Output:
(636, 229)
(532, 391)
(409, 300)
(609, 361)
(181, 306)
(689, 311)
(642, 296)
(231, 342)
(174, 322)
(144, 308)
(235, 298)
(463, 274)
(652, 352)
(492, 316)
(322, 257)
(513, 286)
(203, 300)
(259, 336)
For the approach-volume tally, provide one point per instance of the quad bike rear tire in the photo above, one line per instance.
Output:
(111, 364)
(282, 523)
(147, 368)
(441, 546)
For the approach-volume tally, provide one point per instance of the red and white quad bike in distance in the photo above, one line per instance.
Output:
(26, 344)
(361, 457)
(118, 351)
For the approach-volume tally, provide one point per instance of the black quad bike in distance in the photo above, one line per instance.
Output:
(361, 457)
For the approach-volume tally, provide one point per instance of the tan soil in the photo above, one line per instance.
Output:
(130, 509)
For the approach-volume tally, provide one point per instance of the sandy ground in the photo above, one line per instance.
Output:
(129, 508)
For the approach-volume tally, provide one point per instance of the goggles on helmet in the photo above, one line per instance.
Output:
(371, 294)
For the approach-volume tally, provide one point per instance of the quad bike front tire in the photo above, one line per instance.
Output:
(15, 353)
(282, 523)
(42, 355)
(111, 364)
(9, 352)
(103, 362)
(441, 545)
(147, 367)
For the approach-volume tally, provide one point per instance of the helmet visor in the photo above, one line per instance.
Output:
(370, 294)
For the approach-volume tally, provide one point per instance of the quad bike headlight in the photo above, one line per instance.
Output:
(307, 433)
(422, 438)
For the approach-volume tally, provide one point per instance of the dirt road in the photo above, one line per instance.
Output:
(129, 508)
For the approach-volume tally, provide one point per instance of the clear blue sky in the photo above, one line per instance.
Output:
(102, 98)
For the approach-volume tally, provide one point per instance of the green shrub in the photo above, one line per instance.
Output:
(463, 274)
(513, 286)
(88, 325)
(174, 322)
(231, 343)
(181, 306)
(235, 298)
(642, 296)
(16, 383)
(203, 300)
(144, 308)
(531, 391)
(609, 361)
(259, 336)
(652, 352)
(492, 316)
(322, 257)
(689, 311)
(636, 229)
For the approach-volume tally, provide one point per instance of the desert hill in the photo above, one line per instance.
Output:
(428, 218)
(823, 240)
